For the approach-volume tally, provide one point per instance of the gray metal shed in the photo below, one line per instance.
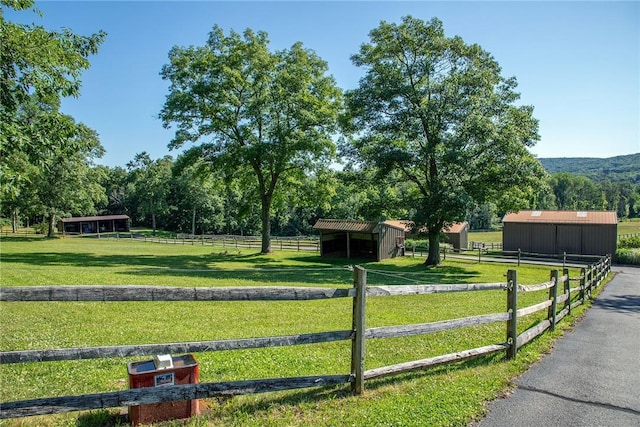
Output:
(360, 239)
(557, 232)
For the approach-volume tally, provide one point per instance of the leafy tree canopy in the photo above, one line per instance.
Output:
(437, 110)
(249, 107)
(38, 67)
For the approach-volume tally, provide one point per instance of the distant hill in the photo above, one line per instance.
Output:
(620, 168)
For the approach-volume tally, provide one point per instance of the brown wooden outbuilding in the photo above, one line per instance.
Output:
(94, 224)
(458, 235)
(360, 239)
(558, 232)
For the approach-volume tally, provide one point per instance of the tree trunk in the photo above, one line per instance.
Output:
(266, 224)
(52, 219)
(434, 247)
(193, 222)
(14, 220)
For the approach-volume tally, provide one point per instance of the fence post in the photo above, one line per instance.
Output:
(512, 307)
(583, 281)
(553, 295)
(567, 289)
(519, 255)
(358, 321)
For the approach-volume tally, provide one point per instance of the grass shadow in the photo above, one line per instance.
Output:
(24, 239)
(102, 418)
(252, 267)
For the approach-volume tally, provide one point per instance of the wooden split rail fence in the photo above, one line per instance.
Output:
(296, 243)
(569, 298)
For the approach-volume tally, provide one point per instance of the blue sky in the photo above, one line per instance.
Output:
(577, 63)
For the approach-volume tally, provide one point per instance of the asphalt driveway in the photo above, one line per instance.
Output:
(592, 375)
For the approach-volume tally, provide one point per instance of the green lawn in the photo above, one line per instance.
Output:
(449, 395)
(629, 226)
(485, 236)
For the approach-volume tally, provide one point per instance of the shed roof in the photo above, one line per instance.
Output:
(94, 218)
(407, 225)
(457, 227)
(353, 226)
(403, 224)
(563, 217)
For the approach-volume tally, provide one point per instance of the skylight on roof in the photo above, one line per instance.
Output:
(582, 214)
(536, 213)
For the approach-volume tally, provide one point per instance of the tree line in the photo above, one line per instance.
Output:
(618, 168)
(178, 196)
(433, 133)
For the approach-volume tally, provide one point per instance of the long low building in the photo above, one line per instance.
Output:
(558, 232)
(94, 224)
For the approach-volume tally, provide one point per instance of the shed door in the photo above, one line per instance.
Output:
(569, 239)
(543, 238)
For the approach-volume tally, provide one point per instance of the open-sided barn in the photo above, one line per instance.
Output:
(557, 232)
(360, 239)
(94, 224)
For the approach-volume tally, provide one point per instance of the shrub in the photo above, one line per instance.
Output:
(423, 245)
(632, 242)
(41, 228)
(628, 256)
(418, 245)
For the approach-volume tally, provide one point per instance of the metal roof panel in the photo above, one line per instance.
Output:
(563, 217)
(94, 218)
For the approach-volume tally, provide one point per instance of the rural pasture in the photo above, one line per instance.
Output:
(448, 395)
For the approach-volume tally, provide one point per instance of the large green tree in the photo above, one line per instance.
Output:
(151, 180)
(39, 64)
(66, 183)
(197, 196)
(438, 110)
(114, 181)
(271, 112)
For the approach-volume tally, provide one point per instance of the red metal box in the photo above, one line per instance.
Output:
(185, 370)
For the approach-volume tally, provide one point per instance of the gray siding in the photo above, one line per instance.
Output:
(569, 238)
(459, 240)
(389, 242)
(600, 239)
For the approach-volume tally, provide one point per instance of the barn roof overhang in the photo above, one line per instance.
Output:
(353, 226)
(94, 218)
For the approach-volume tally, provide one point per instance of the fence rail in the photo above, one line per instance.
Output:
(297, 243)
(590, 277)
(312, 244)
